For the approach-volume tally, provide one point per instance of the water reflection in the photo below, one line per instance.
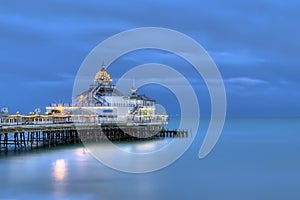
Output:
(144, 147)
(60, 168)
(80, 152)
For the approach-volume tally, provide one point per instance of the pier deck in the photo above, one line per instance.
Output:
(23, 137)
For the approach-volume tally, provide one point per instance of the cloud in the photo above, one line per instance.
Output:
(245, 81)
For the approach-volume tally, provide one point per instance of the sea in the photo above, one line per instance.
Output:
(255, 158)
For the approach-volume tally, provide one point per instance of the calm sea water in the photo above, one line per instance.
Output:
(254, 159)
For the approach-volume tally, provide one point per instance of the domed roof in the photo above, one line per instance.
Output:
(102, 75)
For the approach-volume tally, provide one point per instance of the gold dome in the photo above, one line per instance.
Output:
(102, 75)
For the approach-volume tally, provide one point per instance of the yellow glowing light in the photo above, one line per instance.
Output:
(102, 75)
(147, 108)
(81, 107)
(60, 108)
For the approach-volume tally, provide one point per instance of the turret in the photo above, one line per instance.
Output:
(133, 91)
(103, 77)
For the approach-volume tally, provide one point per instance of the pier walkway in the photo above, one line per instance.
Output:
(26, 136)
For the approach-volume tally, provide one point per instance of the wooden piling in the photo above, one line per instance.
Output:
(49, 136)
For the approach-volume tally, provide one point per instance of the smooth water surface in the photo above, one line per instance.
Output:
(254, 159)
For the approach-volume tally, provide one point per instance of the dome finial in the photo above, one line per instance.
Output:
(133, 88)
(103, 65)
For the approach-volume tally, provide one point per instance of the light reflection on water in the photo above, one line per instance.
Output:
(144, 146)
(59, 169)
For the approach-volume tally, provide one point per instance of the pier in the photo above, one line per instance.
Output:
(101, 113)
(27, 137)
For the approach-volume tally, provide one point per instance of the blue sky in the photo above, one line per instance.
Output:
(255, 45)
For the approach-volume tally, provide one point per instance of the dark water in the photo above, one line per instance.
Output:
(254, 159)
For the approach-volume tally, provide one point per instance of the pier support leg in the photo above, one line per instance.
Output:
(6, 141)
(0, 143)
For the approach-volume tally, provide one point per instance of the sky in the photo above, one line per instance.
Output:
(255, 45)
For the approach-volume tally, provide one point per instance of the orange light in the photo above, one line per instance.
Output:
(60, 108)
